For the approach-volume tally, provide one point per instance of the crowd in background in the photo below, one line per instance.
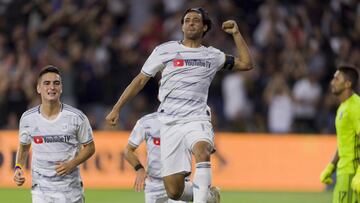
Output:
(100, 45)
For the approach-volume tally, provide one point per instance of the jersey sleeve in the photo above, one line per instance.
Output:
(137, 135)
(219, 58)
(24, 134)
(153, 64)
(85, 133)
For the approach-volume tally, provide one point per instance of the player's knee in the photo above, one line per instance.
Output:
(173, 193)
(201, 157)
(202, 151)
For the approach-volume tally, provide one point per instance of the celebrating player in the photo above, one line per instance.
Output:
(187, 69)
(346, 159)
(148, 129)
(61, 139)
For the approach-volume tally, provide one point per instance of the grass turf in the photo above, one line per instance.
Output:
(129, 196)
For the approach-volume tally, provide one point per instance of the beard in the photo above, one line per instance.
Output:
(336, 91)
(193, 35)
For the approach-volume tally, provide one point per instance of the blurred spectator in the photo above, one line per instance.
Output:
(280, 105)
(307, 94)
(101, 44)
(236, 106)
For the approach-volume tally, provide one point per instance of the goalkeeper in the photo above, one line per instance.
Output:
(347, 123)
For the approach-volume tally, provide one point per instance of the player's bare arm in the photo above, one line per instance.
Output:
(134, 161)
(243, 60)
(335, 158)
(21, 157)
(131, 91)
(85, 153)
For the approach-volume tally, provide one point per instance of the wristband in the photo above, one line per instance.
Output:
(138, 166)
(18, 166)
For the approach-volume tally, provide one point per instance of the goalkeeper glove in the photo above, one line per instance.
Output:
(325, 176)
(355, 183)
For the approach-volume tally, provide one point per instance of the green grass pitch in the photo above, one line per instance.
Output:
(128, 196)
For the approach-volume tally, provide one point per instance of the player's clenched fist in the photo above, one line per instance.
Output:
(112, 117)
(19, 179)
(230, 27)
(325, 176)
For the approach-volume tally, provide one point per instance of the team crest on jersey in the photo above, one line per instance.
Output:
(65, 127)
(156, 141)
(341, 115)
(36, 130)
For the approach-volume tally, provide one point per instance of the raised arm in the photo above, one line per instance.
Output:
(243, 61)
(131, 90)
(134, 161)
(21, 157)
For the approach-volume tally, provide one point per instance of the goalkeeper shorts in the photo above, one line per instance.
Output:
(343, 193)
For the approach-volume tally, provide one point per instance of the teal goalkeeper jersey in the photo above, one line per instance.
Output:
(347, 130)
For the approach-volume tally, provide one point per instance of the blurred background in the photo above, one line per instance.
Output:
(101, 45)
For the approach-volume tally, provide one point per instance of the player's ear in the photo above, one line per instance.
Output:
(38, 88)
(347, 84)
(205, 28)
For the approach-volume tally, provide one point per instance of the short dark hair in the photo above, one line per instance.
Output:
(351, 74)
(49, 69)
(204, 15)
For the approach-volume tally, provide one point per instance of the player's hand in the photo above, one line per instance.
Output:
(230, 27)
(325, 176)
(65, 168)
(113, 117)
(140, 180)
(19, 179)
(355, 183)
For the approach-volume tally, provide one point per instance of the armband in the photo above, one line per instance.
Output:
(229, 62)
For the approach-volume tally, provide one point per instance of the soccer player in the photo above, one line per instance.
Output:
(346, 158)
(187, 69)
(61, 139)
(148, 129)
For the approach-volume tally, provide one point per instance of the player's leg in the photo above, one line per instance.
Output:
(200, 140)
(342, 191)
(155, 191)
(174, 185)
(38, 196)
(175, 158)
(149, 198)
(202, 175)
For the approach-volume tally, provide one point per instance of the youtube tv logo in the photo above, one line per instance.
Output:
(156, 141)
(178, 62)
(38, 139)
